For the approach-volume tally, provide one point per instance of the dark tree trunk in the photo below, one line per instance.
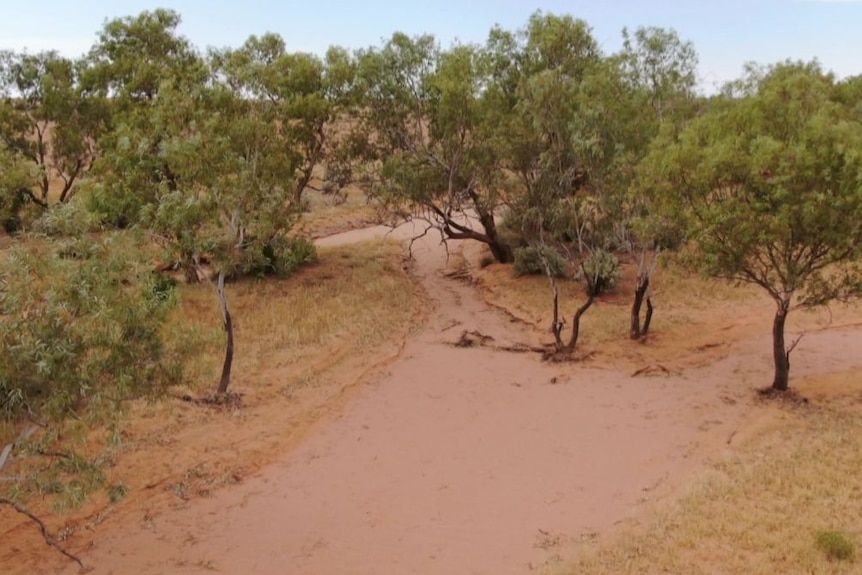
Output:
(557, 327)
(501, 251)
(779, 351)
(647, 318)
(192, 274)
(576, 324)
(640, 292)
(224, 382)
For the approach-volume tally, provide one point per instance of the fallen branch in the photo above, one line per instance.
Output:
(478, 339)
(49, 539)
(60, 454)
(521, 348)
(7, 451)
(651, 369)
(460, 274)
(4, 455)
(731, 436)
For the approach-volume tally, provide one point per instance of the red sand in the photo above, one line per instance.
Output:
(463, 460)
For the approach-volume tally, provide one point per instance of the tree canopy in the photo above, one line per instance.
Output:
(768, 183)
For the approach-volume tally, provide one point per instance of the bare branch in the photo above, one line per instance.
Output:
(49, 539)
(794, 344)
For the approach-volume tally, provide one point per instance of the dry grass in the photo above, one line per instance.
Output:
(765, 508)
(691, 313)
(356, 296)
(326, 217)
(677, 296)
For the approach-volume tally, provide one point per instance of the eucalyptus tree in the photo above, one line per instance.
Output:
(147, 72)
(306, 99)
(768, 186)
(535, 96)
(662, 65)
(428, 152)
(49, 121)
(660, 70)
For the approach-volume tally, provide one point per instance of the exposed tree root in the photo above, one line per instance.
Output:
(789, 396)
(227, 400)
(652, 369)
(461, 274)
(473, 339)
(479, 339)
(552, 355)
(49, 539)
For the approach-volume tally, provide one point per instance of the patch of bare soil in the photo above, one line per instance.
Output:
(465, 458)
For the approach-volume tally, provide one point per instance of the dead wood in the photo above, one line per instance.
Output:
(49, 539)
(652, 369)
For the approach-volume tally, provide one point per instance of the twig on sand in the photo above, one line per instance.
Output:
(651, 369)
(731, 436)
(49, 539)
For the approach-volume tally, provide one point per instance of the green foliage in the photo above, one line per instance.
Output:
(69, 219)
(281, 256)
(153, 79)
(79, 331)
(769, 185)
(49, 121)
(431, 155)
(539, 260)
(601, 271)
(664, 66)
(836, 545)
(14, 181)
(300, 96)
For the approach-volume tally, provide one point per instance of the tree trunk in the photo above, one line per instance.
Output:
(576, 324)
(224, 382)
(557, 327)
(640, 292)
(779, 351)
(501, 251)
(648, 317)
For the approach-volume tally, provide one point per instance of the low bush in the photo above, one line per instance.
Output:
(602, 270)
(531, 260)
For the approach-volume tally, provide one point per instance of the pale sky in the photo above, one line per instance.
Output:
(726, 33)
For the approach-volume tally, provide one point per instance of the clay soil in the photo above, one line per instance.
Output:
(460, 456)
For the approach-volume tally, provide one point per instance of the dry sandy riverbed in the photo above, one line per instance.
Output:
(463, 460)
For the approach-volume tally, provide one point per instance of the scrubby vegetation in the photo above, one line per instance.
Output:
(148, 163)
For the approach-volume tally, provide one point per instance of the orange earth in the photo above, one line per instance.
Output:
(434, 457)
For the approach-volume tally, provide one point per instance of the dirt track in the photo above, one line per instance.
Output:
(463, 460)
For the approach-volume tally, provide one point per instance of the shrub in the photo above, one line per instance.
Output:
(111, 206)
(281, 256)
(836, 545)
(530, 260)
(76, 331)
(602, 268)
(67, 219)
